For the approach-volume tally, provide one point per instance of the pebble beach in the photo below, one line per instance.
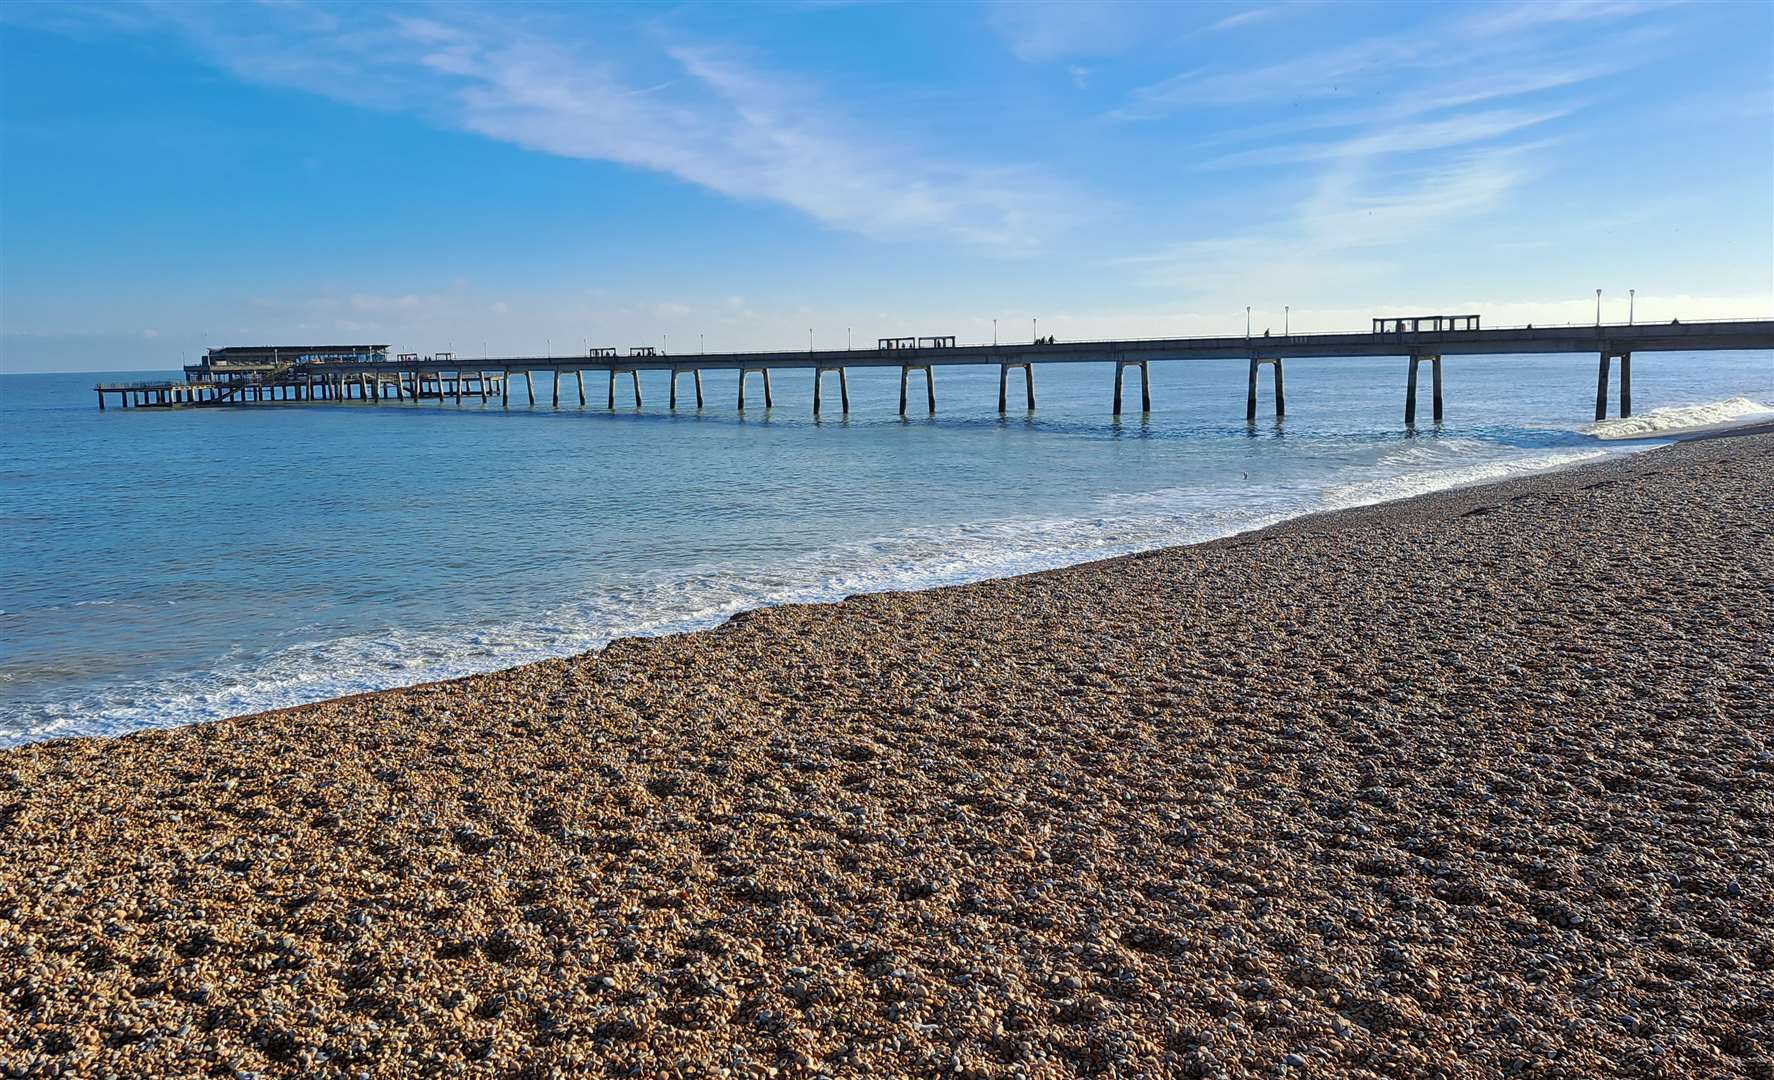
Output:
(1479, 783)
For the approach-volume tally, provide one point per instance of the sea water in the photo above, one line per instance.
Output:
(162, 567)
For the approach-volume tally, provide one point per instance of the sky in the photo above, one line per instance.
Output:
(518, 179)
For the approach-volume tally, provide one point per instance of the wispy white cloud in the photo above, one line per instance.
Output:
(1504, 19)
(1063, 29)
(717, 118)
(1400, 138)
(1408, 136)
(1491, 61)
(1241, 18)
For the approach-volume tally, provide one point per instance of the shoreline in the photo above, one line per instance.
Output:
(1612, 448)
(1311, 516)
(1475, 781)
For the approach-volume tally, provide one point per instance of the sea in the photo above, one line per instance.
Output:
(161, 567)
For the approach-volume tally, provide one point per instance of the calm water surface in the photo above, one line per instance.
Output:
(162, 567)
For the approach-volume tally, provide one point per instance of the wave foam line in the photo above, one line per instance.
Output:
(1682, 420)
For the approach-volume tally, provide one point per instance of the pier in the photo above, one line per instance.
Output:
(256, 376)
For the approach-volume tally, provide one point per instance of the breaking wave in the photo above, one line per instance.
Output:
(1682, 420)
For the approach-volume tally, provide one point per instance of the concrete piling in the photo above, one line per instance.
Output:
(632, 373)
(1250, 399)
(819, 374)
(1601, 383)
(765, 372)
(905, 371)
(1120, 367)
(1410, 387)
(696, 376)
(1004, 384)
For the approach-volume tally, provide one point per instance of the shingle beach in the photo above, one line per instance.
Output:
(1475, 784)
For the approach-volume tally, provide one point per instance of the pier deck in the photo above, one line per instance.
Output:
(373, 376)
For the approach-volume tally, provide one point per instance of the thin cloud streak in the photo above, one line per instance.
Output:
(1439, 139)
(1399, 138)
(720, 123)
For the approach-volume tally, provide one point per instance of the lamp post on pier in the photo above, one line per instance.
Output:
(1247, 320)
(1598, 307)
(1286, 321)
(1631, 302)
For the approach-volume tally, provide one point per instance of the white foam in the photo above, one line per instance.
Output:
(1367, 492)
(1682, 420)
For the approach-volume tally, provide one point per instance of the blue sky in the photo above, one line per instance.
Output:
(520, 178)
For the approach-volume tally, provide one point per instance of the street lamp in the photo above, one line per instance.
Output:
(1247, 320)
(1286, 315)
(1631, 301)
(1036, 333)
(994, 331)
(1598, 307)
(847, 339)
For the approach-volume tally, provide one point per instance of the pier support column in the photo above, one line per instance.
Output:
(1120, 366)
(929, 371)
(1250, 398)
(633, 374)
(819, 374)
(1601, 386)
(480, 382)
(696, 376)
(1410, 393)
(530, 385)
(580, 375)
(1601, 383)
(557, 388)
(765, 372)
(1410, 388)
(1004, 384)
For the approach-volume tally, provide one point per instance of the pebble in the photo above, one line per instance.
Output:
(1393, 791)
